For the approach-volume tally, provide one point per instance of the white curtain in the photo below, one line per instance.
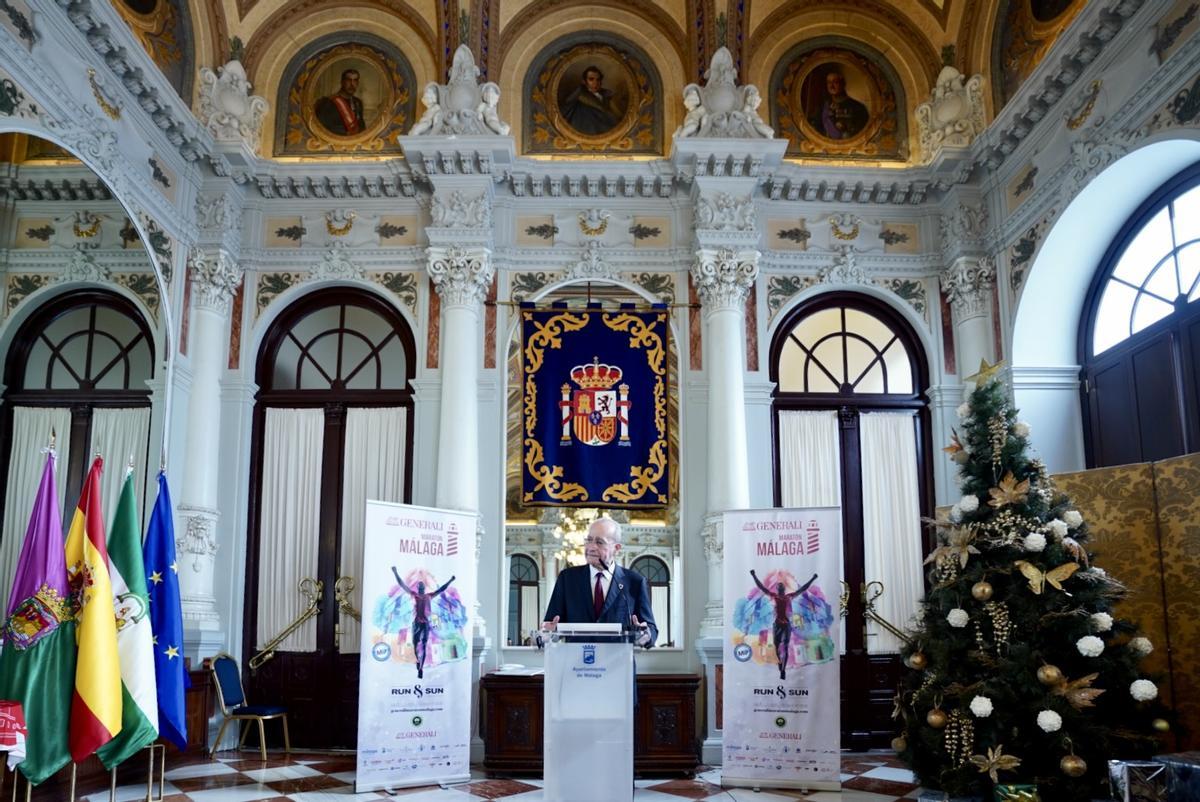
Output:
(374, 469)
(30, 434)
(810, 473)
(891, 521)
(117, 435)
(290, 522)
(810, 470)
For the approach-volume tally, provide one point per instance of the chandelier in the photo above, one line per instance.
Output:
(570, 532)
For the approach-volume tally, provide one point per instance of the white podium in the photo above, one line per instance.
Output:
(588, 751)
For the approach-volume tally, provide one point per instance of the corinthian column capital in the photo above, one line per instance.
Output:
(461, 276)
(723, 277)
(968, 285)
(215, 278)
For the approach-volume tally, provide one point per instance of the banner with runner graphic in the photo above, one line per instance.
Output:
(414, 697)
(781, 679)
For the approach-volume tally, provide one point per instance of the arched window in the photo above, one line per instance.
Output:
(524, 600)
(1140, 333)
(852, 431)
(659, 577)
(332, 428)
(78, 366)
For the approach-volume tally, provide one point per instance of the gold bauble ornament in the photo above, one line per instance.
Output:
(982, 591)
(1073, 766)
(917, 660)
(937, 718)
(899, 744)
(1161, 724)
(1049, 675)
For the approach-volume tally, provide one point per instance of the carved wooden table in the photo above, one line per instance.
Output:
(665, 728)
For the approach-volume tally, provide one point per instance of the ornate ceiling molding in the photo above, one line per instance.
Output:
(528, 18)
(1096, 26)
(930, 61)
(283, 25)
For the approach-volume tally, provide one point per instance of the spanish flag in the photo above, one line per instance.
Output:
(96, 705)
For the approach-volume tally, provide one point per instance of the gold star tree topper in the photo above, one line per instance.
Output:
(986, 372)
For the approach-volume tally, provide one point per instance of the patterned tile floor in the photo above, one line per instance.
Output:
(329, 777)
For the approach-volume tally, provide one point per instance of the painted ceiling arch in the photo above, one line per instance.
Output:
(916, 37)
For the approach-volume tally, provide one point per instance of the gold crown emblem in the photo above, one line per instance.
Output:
(596, 376)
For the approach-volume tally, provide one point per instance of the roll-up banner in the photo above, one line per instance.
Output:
(414, 694)
(782, 685)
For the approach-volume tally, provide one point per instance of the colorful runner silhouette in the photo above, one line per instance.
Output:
(783, 624)
(420, 624)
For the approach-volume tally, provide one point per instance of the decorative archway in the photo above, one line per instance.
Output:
(333, 423)
(851, 429)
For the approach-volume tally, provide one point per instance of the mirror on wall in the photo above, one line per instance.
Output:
(541, 541)
(80, 316)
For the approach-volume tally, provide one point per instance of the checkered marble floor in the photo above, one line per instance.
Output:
(329, 777)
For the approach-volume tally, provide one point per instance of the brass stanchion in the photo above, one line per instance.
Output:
(162, 773)
(17, 784)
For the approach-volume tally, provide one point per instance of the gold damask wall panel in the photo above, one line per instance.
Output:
(1145, 527)
(1177, 483)
(1118, 505)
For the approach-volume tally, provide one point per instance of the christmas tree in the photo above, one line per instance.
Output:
(1019, 672)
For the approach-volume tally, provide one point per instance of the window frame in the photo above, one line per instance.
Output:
(83, 402)
(666, 569)
(1176, 186)
(519, 584)
(1172, 328)
(335, 403)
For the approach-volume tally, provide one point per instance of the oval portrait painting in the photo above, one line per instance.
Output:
(593, 92)
(592, 96)
(344, 97)
(836, 100)
(348, 96)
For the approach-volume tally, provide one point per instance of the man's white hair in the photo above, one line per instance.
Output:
(614, 528)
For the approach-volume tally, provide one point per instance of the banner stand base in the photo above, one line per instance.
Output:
(760, 785)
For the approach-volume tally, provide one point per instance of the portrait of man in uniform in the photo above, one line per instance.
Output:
(828, 106)
(342, 112)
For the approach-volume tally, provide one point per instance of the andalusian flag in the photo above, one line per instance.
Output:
(37, 660)
(96, 706)
(131, 604)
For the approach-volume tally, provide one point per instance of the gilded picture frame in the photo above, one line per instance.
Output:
(831, 101)
(345, 98)
(593, 97)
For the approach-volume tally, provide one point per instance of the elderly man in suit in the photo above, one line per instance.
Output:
(603, 591)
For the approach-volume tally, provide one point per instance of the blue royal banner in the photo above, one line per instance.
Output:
(595, 407)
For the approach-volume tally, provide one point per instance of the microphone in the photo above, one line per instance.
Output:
(603, 565)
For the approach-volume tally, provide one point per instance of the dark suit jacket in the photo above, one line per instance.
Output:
(628, 595)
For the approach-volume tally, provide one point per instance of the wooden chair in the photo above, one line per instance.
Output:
(227, 676)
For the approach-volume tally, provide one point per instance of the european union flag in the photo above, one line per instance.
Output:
(166, 618)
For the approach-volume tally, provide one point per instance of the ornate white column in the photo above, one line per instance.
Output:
(215, 277)
(969, 282)
(462, 277)
(723, 278)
